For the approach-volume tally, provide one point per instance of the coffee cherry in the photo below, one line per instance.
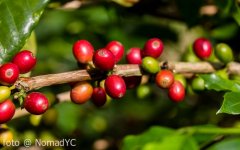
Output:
(81, 92)
(164, 78)
(9, 73)
(202, 47)
(36, 103)
(115, 86)
(176, 92)
(25, 60)
(134, 56)
(198, 84)
(181, 78)
(150, 65)
(224, 53)
(5, 92)
(7, 110)
(153, 47)
(104, 59)
(132, 81)
(6, 135)
(143, 91)
(99, 96)
(117, 49)
(83, 51)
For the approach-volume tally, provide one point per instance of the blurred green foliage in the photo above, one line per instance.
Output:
(177, 23)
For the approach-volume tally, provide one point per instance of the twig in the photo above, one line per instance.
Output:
(32, 83)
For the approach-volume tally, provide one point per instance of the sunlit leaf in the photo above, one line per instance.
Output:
(215, 82)
(17, 20)
(231, 103)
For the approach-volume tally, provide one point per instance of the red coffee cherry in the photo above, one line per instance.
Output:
(202, 47)
(164, 78)
(36, 103)
(132, 81)
(7, 110)
(99, 96)
(117, 49)
(83, 51)
(25, 60)
(153, 47)
(176, 91)
(81, 92)
(134, 56)
(9, 73)
(115, 86)
(104, 59)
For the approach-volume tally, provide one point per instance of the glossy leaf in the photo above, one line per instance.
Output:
(215, 82)
(231, 103)
(17, 20)
(229, 144)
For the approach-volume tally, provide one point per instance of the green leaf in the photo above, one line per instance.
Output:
(231, 103)
(17, 20)
(154, 134)
(174, 142)
(225, 31)
(236, 13)
(215, 82)
(229, 144)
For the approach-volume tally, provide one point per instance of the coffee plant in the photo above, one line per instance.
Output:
(120, 74)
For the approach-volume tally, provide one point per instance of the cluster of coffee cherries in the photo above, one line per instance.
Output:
(35, 102)
(164, 78)
(104, 60)
(206, 51)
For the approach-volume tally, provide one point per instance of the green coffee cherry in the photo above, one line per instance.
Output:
(5, 92)
(224, 53)
(143, 91)
(181, 78)
(150, 65)
(198, 84)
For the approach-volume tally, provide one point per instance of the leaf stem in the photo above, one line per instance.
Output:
(209, 130)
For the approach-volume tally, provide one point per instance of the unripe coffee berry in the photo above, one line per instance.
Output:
(36, 103)
(104, 59)
(164, 78)
(224, 53)
(153, 47)
(134, 56)
(202, 47)
(25, 60)
(115, 86)
(9, 73)
(117, 49)
(81, 92)
(83, 51)
(176, 92)
(5, 93)
(198, 84)
(150, 65)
